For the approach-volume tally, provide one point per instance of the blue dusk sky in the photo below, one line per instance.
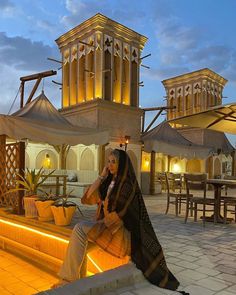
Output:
(183, 36)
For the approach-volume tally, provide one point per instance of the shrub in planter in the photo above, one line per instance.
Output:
(30, 182)
(43, 205)
(63, 211)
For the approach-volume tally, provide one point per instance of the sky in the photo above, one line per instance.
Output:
(183, 36)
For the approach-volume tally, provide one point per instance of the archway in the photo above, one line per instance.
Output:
(71, 160)
(46, 159)
(87, 160)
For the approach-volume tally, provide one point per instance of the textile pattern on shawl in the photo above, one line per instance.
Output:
(146, 252)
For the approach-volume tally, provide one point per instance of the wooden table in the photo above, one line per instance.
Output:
(217, 184)
(57, 183)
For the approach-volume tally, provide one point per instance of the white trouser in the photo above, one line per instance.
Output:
(76, 251)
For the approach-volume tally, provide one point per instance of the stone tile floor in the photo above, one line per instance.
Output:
(203, 259)
(19, 277)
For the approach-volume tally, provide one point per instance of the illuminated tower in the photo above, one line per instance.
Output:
(193, 92)
(100, 79)
(100, 60)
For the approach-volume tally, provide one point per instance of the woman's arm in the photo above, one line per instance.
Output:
(98, 181)
(89, 194)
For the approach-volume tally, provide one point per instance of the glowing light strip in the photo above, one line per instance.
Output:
(34, 230)
(94, 263)
(45, 235)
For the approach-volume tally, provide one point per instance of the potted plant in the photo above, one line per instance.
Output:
(30, 183)
(63, 210)
(43, 205)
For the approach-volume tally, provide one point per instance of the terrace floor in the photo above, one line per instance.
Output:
(203, 259)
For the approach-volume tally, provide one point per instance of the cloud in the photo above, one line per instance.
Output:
(84, 9)
(21, 57)
(187, 48)
(7, 8)
(24, 54)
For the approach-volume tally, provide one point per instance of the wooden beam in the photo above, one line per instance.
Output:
(38, 75)
(158, 108)
(22, 94)
(34, 90)
(154, 119)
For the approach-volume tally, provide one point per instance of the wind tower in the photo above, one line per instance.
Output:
(100, 79)
(193, 92)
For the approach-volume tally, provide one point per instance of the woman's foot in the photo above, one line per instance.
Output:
(60, 283)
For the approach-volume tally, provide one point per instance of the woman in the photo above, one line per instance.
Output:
(122, 210)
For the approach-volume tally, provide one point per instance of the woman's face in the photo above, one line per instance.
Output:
(112, 164)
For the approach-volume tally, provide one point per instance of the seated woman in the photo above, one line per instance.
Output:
(123, 226)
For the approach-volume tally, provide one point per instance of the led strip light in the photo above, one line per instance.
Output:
(45, 235)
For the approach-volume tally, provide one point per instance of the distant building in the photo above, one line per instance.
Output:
(196, 92)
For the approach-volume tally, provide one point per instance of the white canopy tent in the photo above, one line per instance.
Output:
(39, 121)
(165, 139)
(220, 118)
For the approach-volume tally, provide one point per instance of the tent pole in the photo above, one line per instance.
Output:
(152, 173)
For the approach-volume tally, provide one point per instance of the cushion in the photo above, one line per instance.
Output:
(72, 177)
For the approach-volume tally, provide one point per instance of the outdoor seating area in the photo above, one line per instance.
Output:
(199, 197)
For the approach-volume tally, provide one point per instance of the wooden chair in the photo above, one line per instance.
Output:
(230, 177)
(175, 181)
(195, 182)
(173, 198)
(229, 206)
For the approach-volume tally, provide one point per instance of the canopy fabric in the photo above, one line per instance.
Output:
(41, 109)
(39, 121)
(220, 118)
(165, 139)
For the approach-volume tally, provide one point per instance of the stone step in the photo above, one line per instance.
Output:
(101, 283)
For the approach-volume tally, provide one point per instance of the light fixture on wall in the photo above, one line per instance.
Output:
(47, 161)
(125, 142)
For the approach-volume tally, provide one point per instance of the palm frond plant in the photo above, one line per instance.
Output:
(63, 210)
(30, 183)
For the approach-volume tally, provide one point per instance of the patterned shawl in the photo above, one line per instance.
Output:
(126, 199)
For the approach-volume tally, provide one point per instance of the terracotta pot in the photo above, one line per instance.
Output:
(44, 210)
(29, 206)
(63, 216)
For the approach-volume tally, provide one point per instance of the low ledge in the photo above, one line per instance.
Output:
(122, 276)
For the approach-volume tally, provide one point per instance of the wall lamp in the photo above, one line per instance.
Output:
(126, 142)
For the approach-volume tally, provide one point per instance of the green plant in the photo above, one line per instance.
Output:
(48, 197)
(64, 202)
(31, 181)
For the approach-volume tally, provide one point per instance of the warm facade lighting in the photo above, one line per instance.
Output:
(33, 230)
(125, 142)
(16, 225)
(94, 263)
(176, 167)
(47, 162)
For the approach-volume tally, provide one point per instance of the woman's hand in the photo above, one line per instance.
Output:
(105, 172)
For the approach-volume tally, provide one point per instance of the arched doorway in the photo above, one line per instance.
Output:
(87, 160)
(71, 160)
